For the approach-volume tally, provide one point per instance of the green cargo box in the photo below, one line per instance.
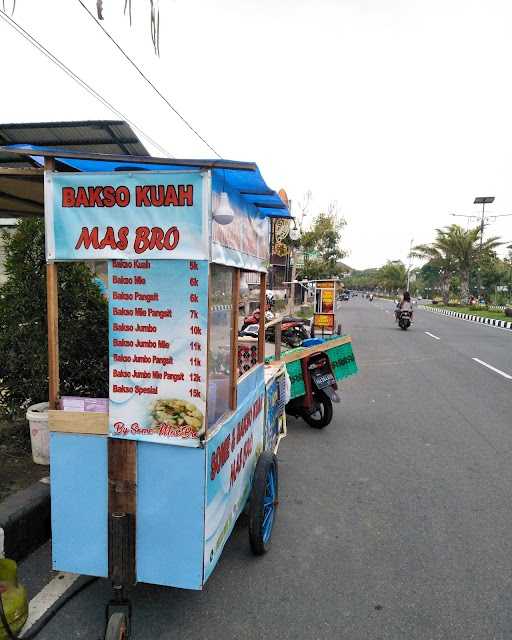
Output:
(340, 354)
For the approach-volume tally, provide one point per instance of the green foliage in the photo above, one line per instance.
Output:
(393, 275)
(321, 247)
(83, 325)
(365, 279)
(457, 252)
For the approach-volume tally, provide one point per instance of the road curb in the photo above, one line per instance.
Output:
(25, 520)
(493, 322)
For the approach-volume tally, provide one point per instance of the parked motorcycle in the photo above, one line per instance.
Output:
(404, 319)
(292, 333)
(315, 406)
(254, 317)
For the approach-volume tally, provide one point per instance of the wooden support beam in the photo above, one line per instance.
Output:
(277, 340)
(122, 509)
(263, 306)
(52, 304)
(235, 298)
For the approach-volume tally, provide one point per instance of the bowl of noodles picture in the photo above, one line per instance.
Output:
(175, 417)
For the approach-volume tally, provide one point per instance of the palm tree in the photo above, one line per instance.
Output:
(154, 12)
(439, 259)
(460, 250)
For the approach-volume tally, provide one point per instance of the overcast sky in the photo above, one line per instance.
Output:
(399, 110)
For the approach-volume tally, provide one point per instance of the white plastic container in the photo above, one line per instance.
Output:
(37, 416)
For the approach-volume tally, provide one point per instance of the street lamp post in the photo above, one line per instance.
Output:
(483, 201)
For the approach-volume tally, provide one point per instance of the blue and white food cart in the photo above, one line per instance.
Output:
(148, 483)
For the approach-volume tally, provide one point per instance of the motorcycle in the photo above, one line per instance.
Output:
(315, 406)
(254, 317)
(292, 333)
(404, 319)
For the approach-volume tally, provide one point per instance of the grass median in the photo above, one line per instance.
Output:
(474, 311)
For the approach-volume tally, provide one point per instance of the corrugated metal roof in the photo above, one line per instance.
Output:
(96, 136)
(21, 186)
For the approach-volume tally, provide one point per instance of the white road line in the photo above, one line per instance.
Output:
(432, 335)
(502, 373)
(47, 597)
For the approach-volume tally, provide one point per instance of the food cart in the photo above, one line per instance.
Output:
(324, 317)
(148, 483)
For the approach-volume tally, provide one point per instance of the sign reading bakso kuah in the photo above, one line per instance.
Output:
(98, 216)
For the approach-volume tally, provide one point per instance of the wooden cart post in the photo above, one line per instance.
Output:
(263, 306)
(52, 303)
(235, 301)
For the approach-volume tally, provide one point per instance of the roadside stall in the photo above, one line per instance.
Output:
(147, 483)
(325, 306)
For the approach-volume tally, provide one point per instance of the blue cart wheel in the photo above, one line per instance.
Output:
(263, 503)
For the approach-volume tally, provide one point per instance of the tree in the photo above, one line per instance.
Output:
(83, 325)
(154, 14)
(321, 247)
(439, 260)
(393, 275)
(457, 250)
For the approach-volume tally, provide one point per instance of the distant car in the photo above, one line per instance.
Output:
(345, 297)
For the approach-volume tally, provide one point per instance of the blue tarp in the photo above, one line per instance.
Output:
(249, 183)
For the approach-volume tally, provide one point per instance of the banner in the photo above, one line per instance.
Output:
(158, 313)
(232, 454)
(144, 214)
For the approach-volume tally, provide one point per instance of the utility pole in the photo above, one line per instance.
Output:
(409, 266)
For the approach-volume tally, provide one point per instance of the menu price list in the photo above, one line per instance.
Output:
(157, 334)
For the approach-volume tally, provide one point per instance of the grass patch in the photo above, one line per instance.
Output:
(305, 313)
(497, 315)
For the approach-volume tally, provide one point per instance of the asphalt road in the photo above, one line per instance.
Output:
(395, 522)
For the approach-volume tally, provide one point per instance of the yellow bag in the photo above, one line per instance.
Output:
(14, 598)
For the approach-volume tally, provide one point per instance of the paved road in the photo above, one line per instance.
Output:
(395, 522)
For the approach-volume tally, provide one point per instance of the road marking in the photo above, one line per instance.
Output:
(432, 335)
(502, 373)
(48, 596)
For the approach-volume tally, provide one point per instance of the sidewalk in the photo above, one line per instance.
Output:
(24, 496)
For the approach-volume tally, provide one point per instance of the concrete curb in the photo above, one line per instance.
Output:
(493, 322)
(25, 520)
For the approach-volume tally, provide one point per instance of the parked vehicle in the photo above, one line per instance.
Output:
(292, 333)
(315, 406)
(254, 317)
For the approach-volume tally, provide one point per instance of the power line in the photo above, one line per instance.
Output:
(42, 49)
(149, 81)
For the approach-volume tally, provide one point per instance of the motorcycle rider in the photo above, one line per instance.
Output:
(405, 304)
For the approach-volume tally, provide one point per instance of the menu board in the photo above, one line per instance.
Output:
(327, 300)
(324, 321)
(157, 350)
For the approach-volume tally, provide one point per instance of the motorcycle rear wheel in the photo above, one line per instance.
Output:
(323, 416)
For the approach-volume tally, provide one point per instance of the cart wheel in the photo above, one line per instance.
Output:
(117, 628)
(263, 503)
(323, 415)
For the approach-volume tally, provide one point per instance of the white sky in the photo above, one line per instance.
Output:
(400, 110)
